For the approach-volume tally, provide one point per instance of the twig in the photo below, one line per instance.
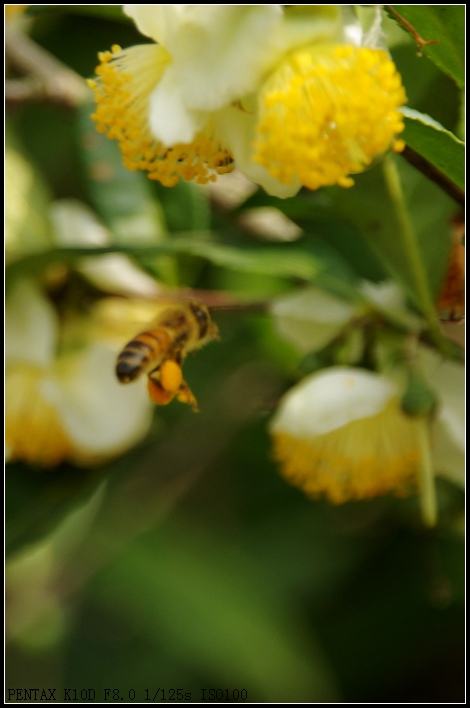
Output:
(414, 33)
(46, 77)
(428, 169)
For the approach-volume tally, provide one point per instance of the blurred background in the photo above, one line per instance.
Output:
(184, 561)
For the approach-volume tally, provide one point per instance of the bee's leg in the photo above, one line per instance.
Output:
(171, 380)
(185, 395)
(166, 382)
(157, 393)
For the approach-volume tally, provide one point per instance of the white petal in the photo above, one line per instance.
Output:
(331, 399)
(235, 129)
(102, 417)
(116, 274)
(448, 458)
(31, 326)
(76, 225)
(448, 380)
(152, 20)
(170, 119)
(389, 298)
(219, 52)
(310, 318)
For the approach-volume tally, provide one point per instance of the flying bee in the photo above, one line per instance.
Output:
(160, 351)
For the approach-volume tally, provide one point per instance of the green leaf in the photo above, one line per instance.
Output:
(211, 607)
(436, 144)
(37, 500)
(369, 207)
(445, 23)
(123, 199)
(312, 261)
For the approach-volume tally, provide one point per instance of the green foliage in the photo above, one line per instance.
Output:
(444, 24)
(438, 145)
(192, 563)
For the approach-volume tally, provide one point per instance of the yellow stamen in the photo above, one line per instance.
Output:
(33, 429)
(360, 460)
(126, 79)
(326, 113)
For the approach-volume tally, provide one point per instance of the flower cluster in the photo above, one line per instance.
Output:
(63, 405)
(349, 433)
(290, 95)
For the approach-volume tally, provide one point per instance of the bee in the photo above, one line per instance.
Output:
(159, 352)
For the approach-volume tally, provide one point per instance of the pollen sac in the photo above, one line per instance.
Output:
(171, 376)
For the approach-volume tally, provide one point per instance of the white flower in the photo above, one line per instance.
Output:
(285, 92)
(63, 406)
(76, 225)
(310, 318)
(448, 431)
(218, 53)
(341, 433)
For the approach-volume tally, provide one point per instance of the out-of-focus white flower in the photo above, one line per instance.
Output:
(66, 406)
(287, 93)
(341, 433)
(310, 318)
(14, 11)
(76, 225)
(448, 430)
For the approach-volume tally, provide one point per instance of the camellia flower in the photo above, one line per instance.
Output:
(65, 406)
(76, 225)
(290, 95)
(310, 318)
(341, 433)
(12, 11)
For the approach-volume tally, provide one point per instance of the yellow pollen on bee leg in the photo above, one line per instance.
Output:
(157, 394)
(171, 376)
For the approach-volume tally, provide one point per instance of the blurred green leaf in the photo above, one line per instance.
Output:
(122, 198)
(37, 500)
(368, 206)
(436, 144)
(309, 263)
(210, 606)
(445, 23)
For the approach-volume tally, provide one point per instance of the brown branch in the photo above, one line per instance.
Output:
(414, 33)
(45, 76)
(432, 173)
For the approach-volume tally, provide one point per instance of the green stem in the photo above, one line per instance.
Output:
(410, 246)
(428, 487)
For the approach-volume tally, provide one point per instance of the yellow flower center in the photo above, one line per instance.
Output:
(325, 113)
(33, 430)
(126, 79)
(360, 460)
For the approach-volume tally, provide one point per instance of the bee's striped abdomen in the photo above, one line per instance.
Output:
(143, 353)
